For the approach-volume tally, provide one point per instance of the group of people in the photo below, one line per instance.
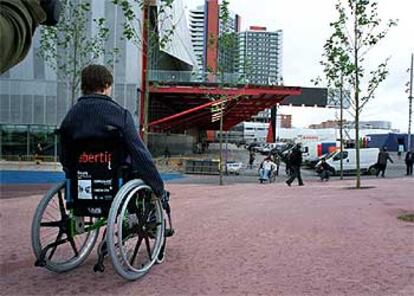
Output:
(384, 157)
(269, 168)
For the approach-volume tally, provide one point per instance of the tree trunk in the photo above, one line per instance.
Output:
(358, 170)
(341, 125)
(75, 64)
(221, 144)
(147, 54)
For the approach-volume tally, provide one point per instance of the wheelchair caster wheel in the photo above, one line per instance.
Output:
(40, 263)
(99, 267)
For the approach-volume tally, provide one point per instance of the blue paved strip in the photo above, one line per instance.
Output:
(41, 177)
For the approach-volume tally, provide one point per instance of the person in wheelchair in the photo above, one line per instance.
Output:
(266, 169)
(97, 116)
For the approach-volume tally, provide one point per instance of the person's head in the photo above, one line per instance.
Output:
(96, 79)
(384, 148)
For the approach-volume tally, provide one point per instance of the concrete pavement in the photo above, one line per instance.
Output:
(247, 239)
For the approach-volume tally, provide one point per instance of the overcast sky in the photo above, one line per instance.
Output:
(305, 26)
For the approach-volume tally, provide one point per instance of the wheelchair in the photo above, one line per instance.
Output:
(271, 176)
(100, 193)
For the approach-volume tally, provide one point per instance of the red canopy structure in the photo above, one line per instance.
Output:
(199, 105)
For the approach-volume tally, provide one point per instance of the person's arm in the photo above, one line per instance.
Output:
(18, 21)
(141, 158)
(64, 152)
(388, 156)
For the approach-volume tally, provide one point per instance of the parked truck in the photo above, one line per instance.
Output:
(312, 151)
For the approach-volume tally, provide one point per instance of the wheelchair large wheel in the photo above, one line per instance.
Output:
(55, 242)
(135, 231)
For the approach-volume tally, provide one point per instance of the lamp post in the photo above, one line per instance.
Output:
(410, 99)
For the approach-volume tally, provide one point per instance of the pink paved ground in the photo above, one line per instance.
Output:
(320, 239)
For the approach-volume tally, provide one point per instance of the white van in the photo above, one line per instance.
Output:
(368, 160)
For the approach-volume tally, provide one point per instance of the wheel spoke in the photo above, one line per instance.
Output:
(147, 244)
(59, 236)
(51, 224)
(135, 210)
(147, 212)
(136, 250)
(61, 204)
(73, 245)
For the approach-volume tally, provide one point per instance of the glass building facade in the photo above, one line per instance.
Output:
(33, 101)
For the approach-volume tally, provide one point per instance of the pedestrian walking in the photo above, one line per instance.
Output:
(251, 158)
(295, 161)
(383, 158)
(286, 159)
(167, 155)
(400, 151)
(38, 153)
(276, 160)
(409, 161)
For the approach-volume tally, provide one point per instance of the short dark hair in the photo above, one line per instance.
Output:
(95, 78)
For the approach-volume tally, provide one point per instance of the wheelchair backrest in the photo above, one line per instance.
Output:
(96, 175)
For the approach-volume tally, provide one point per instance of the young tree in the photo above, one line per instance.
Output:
(150, 35)
(68, 47)
(226, 44)
(357, 31)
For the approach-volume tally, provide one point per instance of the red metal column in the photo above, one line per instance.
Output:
(145, 22)
(212, 35)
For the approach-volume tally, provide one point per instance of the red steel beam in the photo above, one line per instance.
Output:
(180, 114)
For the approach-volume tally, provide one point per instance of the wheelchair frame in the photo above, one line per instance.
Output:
(121, 233)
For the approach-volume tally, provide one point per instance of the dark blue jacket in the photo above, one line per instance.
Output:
(89, 118)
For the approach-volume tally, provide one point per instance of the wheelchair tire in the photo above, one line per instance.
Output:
(135, 231)
(49, 224)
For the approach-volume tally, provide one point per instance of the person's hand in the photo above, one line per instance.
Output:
(165, 196)
(164, 201)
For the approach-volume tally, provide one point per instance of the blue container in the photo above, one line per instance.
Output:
(391, 141)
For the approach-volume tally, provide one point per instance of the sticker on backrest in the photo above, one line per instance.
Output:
(100, 158)
(102, 189)
(95, 175)
(84, 189)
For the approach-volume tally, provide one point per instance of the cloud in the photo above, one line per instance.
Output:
(306, 26)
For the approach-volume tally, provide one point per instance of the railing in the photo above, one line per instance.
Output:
(196, 77)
